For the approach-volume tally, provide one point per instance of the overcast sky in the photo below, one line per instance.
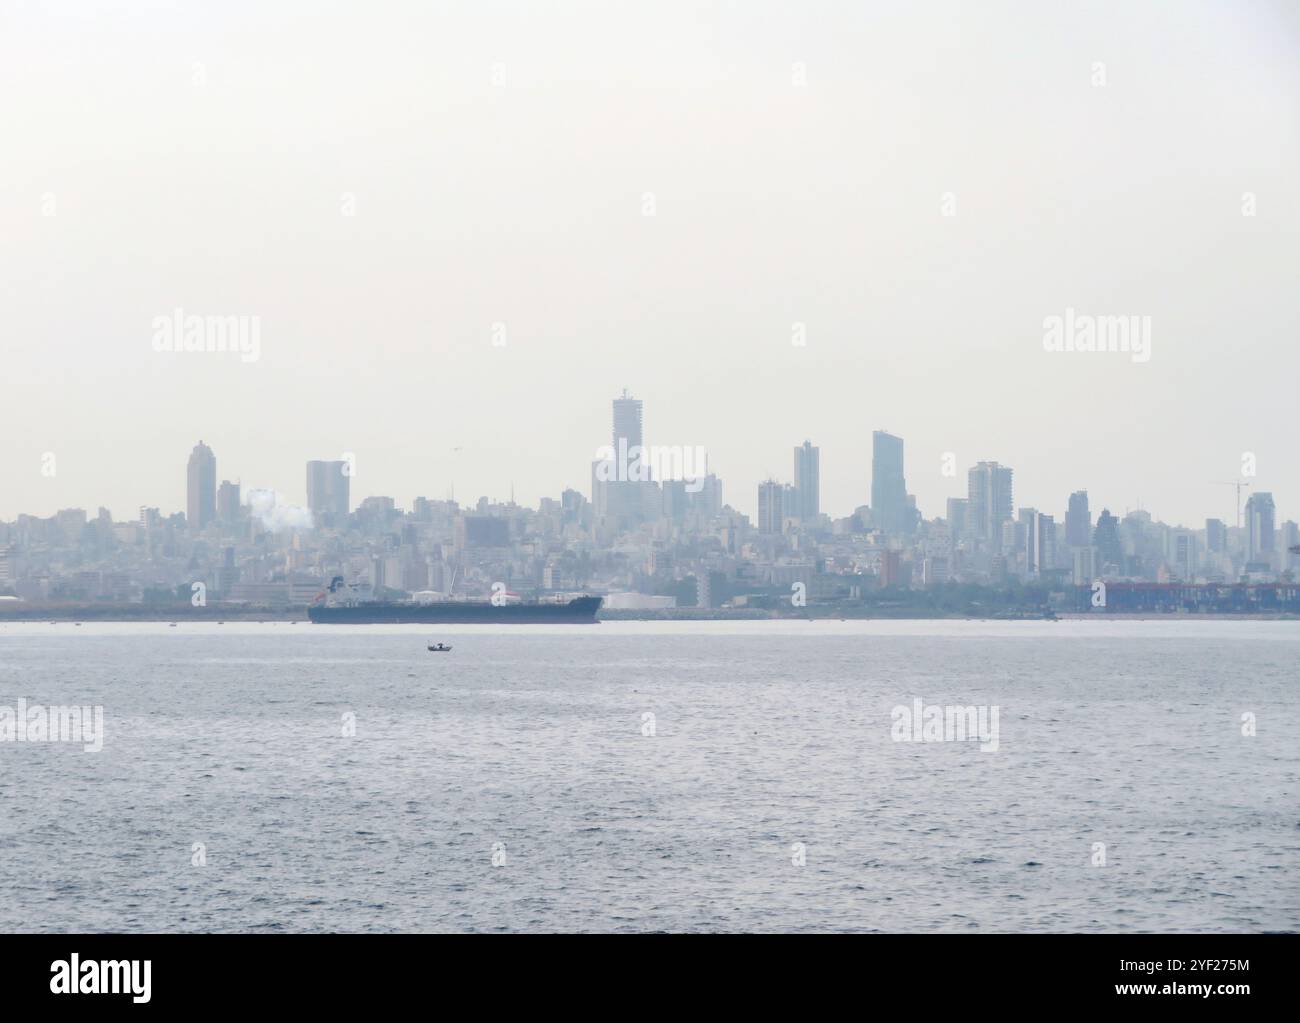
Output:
(382, 183)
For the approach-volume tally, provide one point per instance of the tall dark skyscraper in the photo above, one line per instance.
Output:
(201, 487)
(1078, 521)
(889, 508)
(807, 480)
(328, 493)
(989, 497)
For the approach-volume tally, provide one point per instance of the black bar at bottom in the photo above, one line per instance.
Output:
(337, 972)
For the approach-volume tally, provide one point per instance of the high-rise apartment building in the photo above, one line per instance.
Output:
(1078, 521)
(1216, 536)
(201, 487)
(1184, 555)
(889, 508)
(228, 502)
(958, 518)
(771, 496)
(989, 497)
(628, 496)
(1046, 534)
(1260, 527)
(1110, 549)
(627, 423)
(1027, 519)
(328, 497)
(807, 480)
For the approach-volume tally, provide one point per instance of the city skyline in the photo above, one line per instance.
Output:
(653, 531)
(885, 450)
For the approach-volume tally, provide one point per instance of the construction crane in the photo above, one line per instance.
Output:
(1238, 484)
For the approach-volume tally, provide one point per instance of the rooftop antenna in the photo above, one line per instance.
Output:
(1238, 484)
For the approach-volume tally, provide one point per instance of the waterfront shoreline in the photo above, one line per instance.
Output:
(74, 616)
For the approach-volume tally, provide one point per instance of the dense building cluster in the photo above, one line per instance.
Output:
(655, 533)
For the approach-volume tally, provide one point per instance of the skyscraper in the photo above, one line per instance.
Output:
(989, 498)
(1046, 531)
(958, 518)
(1185, 555)
(889, 509)
(789, 502)
(1078, 521)
(807, 480)
(328, 495)
(770, 497)
(1110, 549)
(626, 499)
(1028, 522)
(1260, 527)
(201, 487)
(708, 500)
(228, 502)
(627, 423)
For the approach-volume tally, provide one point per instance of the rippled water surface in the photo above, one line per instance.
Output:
(530, 741)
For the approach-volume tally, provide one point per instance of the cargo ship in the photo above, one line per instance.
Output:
(351, 605)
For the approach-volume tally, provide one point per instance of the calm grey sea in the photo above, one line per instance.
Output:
(518, 784)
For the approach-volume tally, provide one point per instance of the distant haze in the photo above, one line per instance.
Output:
(380, 185)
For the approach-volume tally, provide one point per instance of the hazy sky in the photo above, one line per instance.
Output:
(495, 158)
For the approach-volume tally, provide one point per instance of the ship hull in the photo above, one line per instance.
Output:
(581, 611)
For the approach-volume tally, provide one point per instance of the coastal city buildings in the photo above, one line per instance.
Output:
(645, 543)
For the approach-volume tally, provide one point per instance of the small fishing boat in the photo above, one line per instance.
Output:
(439, 648)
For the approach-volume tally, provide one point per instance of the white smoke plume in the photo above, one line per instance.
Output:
(274, 514)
